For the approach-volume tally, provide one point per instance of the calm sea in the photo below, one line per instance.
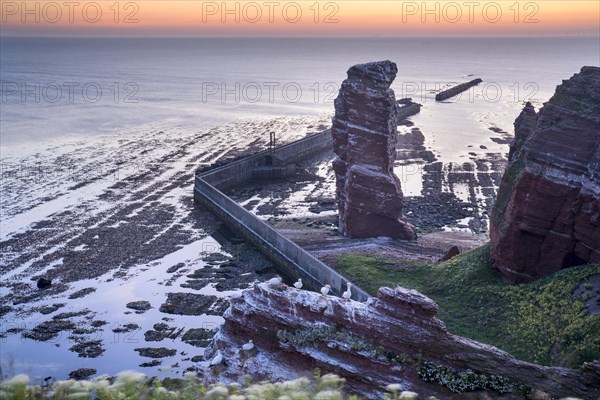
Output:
(53, 88)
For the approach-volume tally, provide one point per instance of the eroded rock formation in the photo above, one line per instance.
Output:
(394, 338)
(547, 212)
(364, 140)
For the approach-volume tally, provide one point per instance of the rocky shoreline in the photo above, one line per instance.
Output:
(296, 331)
(115, 247)
(137, 256)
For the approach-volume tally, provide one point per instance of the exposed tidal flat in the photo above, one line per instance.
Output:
(117, 237)
(141, 276)
(136, 266)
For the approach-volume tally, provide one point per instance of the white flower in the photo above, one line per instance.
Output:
(81, 386)
(258, 391)
(217, 392)
(101, 383)
(296, 384)
(237, 397)
(66, 383)
(18, 380)
(408, 396)
(190, 375)
(331, 380)
(329, 395)
(79, 395)
(394, 387)
(128, 377)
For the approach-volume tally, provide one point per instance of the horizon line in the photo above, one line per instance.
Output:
(518, 36)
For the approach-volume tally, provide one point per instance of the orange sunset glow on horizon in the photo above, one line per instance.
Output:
(300, 18)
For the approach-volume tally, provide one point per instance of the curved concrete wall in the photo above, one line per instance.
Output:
(291, 260)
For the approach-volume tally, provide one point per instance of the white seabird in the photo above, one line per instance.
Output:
(348, 293)
(325, 289)
(235, 296)
(218, 359)
(248, 346)
(298, 284)
(275, 281)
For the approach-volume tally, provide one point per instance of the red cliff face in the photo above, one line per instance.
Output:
(547, 212)
(364, 139)
(394, 338)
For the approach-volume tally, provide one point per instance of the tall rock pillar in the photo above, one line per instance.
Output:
(364, 139)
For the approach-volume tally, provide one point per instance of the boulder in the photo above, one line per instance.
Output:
(44, 283)
(451, 253)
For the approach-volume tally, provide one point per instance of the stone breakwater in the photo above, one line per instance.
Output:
(547, 213)
(453, 91)
(364, 135)
(393, 338)
(407, 108)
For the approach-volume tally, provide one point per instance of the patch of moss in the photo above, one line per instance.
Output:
(456, 381)
(322, 334)
(541, 322)
(464, 381)
(565, 97)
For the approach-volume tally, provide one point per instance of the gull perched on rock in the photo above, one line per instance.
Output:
(298, 284)
(218, 359)
(276, 281)
(235, 296)
(248, 346)
(325, 289)
(348, 293)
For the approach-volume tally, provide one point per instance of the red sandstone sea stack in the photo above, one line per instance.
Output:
(364, 140)
(547, 212)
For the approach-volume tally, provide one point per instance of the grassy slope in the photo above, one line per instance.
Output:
(540, 322)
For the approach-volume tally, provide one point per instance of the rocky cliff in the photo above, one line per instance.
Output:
(364, 139)
(394, 338)
(547, 212)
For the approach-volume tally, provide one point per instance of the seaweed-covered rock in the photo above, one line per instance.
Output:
(156, 352)
(193, 304)
(82, 374)
(139, 306)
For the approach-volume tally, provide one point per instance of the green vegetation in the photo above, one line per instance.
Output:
(565, 97)
(324, 333)
(540, 322)
(465, 381)
(130, 385)
(455, 381)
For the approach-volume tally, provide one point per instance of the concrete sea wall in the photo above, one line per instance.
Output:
(291, 260)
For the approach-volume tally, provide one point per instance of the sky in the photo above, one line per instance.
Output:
(277, 18)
